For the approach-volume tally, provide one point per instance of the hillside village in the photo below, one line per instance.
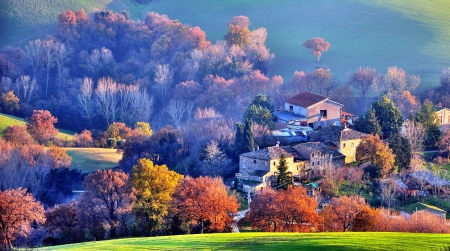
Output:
(210, 139)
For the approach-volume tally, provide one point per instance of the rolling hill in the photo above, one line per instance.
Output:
(411, 34)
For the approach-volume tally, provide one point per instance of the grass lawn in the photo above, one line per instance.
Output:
(273, 241)
(9, 120)
(91, 159)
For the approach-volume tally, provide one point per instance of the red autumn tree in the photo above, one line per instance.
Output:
(41, 126)
(62, 222)
(316, 46)
(109, 192)
(119, 130)
(18, 210)
(206, 203)
(341, 213)
(17, 135)
(286, 210)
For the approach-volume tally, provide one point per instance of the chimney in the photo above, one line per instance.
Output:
(278, 144)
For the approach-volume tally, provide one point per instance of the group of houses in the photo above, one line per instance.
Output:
(333, 145)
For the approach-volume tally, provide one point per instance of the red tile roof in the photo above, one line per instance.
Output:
(305, 99)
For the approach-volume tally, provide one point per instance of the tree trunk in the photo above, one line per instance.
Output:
(201, 226)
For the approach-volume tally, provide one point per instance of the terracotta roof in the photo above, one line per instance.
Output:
(268, 153)
(305, 99)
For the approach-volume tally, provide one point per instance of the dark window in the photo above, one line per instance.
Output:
(324, 113)
(291, 108)
(254, 161)
(274, 163)
(312, 164)
(343, 145)
(312, 155)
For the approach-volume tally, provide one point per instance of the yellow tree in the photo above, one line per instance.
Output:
(10, 102)
(372, 148)
(143, 129)
(154, 185)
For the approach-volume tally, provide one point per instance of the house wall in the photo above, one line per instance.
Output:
(296, 109)
(333, 113)
(348, 148)
(249, 165)
(317, 160)
(443, 116)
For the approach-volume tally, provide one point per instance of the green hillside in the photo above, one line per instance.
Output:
(273, 241)
(92, 159)
(9, 120)
(411, 34)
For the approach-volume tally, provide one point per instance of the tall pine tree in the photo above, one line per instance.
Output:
(248, 142)
(283, 179)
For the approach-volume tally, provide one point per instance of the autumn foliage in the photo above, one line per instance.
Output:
(18, 210)
(41, 126)
(316, 46)
(290, 210)
(205, 203)
(372, 148)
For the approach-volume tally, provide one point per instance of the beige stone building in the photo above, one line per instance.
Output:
(443, 115)
(310, 109)
(345, 139)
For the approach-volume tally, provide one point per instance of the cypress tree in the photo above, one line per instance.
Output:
(248, 141)
(283, 180)
(239, 139)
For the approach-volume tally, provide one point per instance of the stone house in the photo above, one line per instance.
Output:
(257, 169)
(316, 156)
(310, 109)
(345, 139)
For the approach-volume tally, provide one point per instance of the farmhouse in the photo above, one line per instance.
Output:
(345, 139)
(310, 109)
(443, 115)
(257, 169)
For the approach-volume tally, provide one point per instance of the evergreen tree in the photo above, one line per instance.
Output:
(368, 123)
(427, 117)
(283, 179)
(388, 115)
(402, 150)
(260, 111)
(239, 139)
(248, 142)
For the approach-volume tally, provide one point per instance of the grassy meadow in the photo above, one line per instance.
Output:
(9, 120)
(411, 34)
(91, 159)
(273, 241)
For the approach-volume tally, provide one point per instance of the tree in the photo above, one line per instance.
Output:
(163, 79)
(316, 46)
(238, 32)
(10, 102)
(109, 193)
(34, 51)
(59, 156)
(239, 139)
(143, 129)
(41, 126)
(407, 103)
(248, 142)
(364, 79)
(415, 133)
(86, 101)
(397, 81)
(176, 110)
(427, 117)
(205, 202)
(214, 161)
(17, 135)
(264, 211)
(341, 213)
(283, 180)
(322, 79)
(388, 115)
(260, 111)
(107, 99)
(402, 150)
(373, 149)
(25, 89)
(84, 139)
(18, 211)
(119, 131)
(365, 220)
(154, 185)
(62, 221)
(368, 123)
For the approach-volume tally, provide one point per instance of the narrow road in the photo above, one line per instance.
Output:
(239, 216)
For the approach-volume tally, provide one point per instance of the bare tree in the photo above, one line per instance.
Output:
(364, 79)
(49, 60)
(176, 110)
(85, 99)
(60, 57)
(163, 79)
(101, 63)
(107, 99)
(25, 89)
(388, 192)
(189, 109)
(6, 84)
(125, 94)
(206, 113)
(415, 133)
(141, 106)
(396, 80)
(35, 54)
(215, 161)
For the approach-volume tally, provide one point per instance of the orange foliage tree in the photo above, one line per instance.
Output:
(205, 202)
(341, 213)
(18, 210)
(17, 135)
(286, 210)
(316, 46)
(109, 192)
(41, 126)
(374, 149)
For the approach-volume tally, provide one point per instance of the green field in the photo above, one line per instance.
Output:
(9, 120)
(274, 241)
(91, 159)
(411, 34)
